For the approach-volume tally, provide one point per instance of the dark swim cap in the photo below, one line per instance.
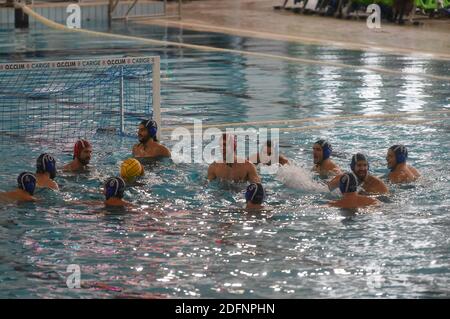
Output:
(27, 182)
(114, 187)
(356, 158)
(152, 127)
(401, 153)
(348, 183)
(326, 148)
(255, 193)
(46, 164)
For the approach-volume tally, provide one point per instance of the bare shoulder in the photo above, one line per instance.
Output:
(248, 163)
(212, 171)
(398, 176)
(164, 150)
(67, 168)
(414, 171)
(374, 180)
(253, 159)
(212, 166)
(331, 166)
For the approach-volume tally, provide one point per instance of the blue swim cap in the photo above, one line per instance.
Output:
(356, 158)
(114, 187)
(326, 148)
(151, 126)
(255, 193)
(46, 164)
(401, 153)
(348, 183)
(27, 182)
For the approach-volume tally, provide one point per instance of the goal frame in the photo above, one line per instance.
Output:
(106, 62)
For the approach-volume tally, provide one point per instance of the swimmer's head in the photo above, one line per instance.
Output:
(229, 145)
(46, 164)
(397, 154)
(114, 187)
(131, 169)
(360, 166)
(348, 183)
(82, 151)
(147, 130)
(321, 151)
(255, 193)
(27, 182)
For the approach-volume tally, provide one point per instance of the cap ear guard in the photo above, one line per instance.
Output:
(250, 192)
(255, 193)
(27, 182)
(46, 164)
(348, 183)
(50, 166)
(401, 153)
(327, 152)
(152, 128)
(114, 187)
(326, 148)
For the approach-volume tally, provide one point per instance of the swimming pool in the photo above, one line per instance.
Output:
(199, 242)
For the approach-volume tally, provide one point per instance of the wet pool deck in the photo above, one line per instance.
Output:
(257, 18)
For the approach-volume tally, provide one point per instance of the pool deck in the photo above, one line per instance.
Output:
(257, 18)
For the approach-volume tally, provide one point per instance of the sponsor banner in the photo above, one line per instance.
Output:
(75, 63)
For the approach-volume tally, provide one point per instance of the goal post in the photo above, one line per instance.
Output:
(65, 100)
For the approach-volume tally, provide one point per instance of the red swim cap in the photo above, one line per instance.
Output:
(80, 145)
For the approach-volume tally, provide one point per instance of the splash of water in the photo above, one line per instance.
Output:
(299, 178)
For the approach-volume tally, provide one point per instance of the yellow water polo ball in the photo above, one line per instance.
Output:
(131, 169)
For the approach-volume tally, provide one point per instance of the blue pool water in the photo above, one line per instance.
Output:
(195, 240)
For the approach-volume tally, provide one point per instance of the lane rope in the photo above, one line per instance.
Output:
(312, 119)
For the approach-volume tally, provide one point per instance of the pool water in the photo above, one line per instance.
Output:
(193, 239)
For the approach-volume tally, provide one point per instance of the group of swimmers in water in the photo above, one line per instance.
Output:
(237, 171)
